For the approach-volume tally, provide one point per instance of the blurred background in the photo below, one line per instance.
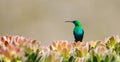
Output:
(43, 20)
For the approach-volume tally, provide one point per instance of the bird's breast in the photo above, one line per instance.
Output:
(78, 31)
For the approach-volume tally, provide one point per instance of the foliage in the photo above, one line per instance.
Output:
(20, 49)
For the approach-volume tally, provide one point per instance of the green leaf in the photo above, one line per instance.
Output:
(89, 60)
(16, 60)
(95, 59)
(32, 57)
(113, 59)
(72, 59)
(107, 59)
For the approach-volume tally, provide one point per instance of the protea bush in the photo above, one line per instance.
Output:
(20, 49)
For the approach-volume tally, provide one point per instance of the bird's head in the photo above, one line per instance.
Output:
(76, 22)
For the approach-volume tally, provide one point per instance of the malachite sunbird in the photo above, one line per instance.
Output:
(78, 31)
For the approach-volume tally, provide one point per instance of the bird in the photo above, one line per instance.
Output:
(78, 30)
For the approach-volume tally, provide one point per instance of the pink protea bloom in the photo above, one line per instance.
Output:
(20, 40)
(7, 38)
(62, 47)
(101, 50)
(81, 48)
(112, 41)
(59, 45)
(79, 44)
(81, 51)
(15, 51)
(42, 49)
(92, 44)
(100, 43)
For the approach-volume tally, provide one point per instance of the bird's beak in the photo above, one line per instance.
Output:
(69, 21)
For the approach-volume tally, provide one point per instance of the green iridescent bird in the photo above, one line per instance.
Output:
(78, 30)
